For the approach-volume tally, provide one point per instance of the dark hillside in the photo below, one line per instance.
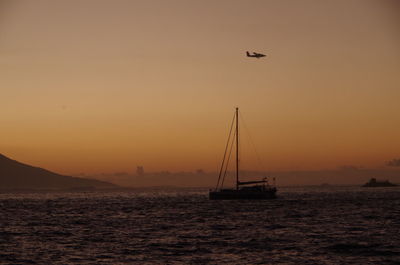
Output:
(16, 175)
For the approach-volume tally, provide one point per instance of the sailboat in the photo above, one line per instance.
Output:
(245, 190)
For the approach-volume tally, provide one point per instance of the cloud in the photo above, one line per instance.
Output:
(394, 162)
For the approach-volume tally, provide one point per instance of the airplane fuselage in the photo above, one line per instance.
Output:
(255, 55)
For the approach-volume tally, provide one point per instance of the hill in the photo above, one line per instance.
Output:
(16, 175)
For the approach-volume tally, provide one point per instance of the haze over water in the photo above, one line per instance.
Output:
(141, 94)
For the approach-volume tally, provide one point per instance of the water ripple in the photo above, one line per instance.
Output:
(303, 226)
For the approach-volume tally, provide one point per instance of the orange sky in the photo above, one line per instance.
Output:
(103, 86)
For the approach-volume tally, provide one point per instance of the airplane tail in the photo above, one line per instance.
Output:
(247, 53)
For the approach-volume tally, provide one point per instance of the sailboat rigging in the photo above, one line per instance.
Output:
(261, 191)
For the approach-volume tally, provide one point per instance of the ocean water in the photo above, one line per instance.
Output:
(305, 225)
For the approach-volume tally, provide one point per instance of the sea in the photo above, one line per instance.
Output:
(304, 225)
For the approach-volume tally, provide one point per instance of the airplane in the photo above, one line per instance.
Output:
(255, 55)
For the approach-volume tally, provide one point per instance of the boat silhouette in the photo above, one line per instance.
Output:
(245, 190)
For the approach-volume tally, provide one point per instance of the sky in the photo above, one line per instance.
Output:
(103, 86)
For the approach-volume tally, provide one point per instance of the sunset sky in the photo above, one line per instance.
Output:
(103, 86)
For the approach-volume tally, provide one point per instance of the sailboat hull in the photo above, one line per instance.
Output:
(243, 195)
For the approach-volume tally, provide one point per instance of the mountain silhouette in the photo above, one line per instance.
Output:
(16, 175)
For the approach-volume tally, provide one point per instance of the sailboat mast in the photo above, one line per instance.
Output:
(237, 148)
